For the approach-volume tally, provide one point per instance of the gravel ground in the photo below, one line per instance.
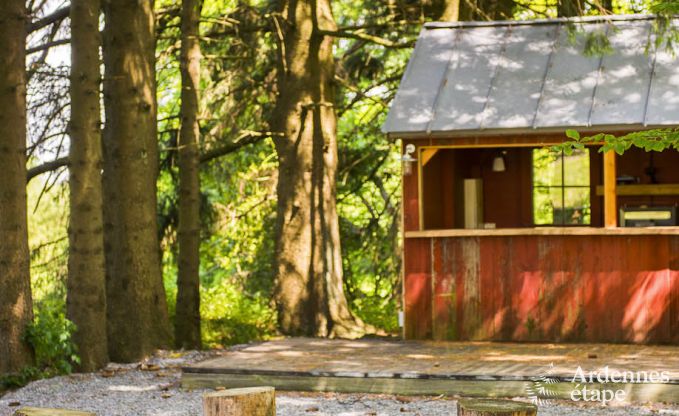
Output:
(152, 388)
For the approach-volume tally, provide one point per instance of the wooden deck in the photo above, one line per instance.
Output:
(425, 367)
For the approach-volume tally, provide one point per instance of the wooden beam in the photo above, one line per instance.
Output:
(541, 231)
(643, 189)
(427, 154)
(472, 386)
(610, 195)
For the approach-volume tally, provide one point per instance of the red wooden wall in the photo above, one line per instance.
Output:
(602, 288)
(589, 288)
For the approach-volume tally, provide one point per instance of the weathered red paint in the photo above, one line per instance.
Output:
(417, 289)
(607, 288)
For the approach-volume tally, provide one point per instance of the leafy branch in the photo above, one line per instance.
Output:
(655, 140)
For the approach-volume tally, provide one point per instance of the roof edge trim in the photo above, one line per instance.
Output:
(535, 22)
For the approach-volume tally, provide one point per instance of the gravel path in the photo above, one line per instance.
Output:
(152, 389)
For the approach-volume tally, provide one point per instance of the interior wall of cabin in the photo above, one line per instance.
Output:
(636, 163)
(507, 200)
(507, 195)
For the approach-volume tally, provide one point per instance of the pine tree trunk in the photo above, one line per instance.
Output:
(136, 304)
(570, 8)
(15, 283)
(187, 318)
(309, 288)
(480, 10)
(86, 298)
(444, 10)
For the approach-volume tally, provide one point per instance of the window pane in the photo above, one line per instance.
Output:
(547, 206)
(546, 168)
(576, 168)
(576, 206)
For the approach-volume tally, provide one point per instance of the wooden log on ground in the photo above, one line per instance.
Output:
(39, 411)
(494, 407)
(249, 401)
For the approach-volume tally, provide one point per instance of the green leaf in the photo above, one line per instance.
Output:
(573, 134)
(619, 148)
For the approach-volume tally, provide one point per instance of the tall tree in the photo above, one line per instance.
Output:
(309, 287)
(570, 8)
(187, 318)
(86, 295)
(136, 306)
(15, 284)
(487, 10)
(444, 10)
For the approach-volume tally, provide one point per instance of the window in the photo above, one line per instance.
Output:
(561, 191)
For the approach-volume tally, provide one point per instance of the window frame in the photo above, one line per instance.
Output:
(563, 187)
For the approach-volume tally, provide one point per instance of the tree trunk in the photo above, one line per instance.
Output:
(445, 10)
(308, 265)
(481, 10)
(86, 295)
(187, 318)
(15, 284)
(136, 304)
(250, 401)
(570, 8)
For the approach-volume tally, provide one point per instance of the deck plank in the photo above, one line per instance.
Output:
(429, 367)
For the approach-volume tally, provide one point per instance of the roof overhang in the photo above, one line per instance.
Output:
(530, 77)
(583, 130)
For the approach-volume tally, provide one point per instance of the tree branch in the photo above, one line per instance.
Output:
(367, 37)
(46, 167)
(54, 17)
(250, 137)
(48, 45)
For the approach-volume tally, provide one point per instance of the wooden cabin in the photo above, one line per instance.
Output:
(507, 241)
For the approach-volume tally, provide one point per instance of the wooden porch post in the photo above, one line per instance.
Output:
(610, 193)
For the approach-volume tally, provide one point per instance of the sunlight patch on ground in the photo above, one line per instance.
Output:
(134, 388)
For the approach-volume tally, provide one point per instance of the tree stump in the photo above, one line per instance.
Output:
(251, 401)
(494, 407)
(38, 411)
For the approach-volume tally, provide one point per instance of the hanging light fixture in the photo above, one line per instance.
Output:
(407, 159)
(499, 162)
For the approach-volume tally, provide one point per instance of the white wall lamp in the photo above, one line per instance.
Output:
(407, 159)
(499, 162)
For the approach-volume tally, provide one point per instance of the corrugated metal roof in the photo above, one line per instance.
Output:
(497, 77)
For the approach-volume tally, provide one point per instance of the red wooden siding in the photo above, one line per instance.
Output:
(607, 288)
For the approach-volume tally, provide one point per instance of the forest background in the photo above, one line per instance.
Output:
(239, 87)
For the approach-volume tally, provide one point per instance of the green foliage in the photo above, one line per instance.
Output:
(597, 44)
(561, 192)
(50, 335)
(231, 315)
(656, 140)
(20, 379)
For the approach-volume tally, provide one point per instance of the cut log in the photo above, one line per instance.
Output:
(494, 407)
(39, 411)
(250, 401)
